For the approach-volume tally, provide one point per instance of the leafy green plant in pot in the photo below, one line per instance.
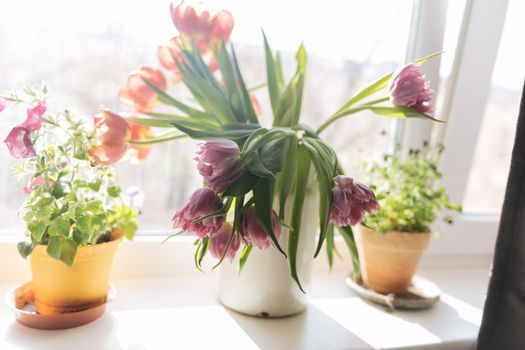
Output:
(391, 241)
(74, 210)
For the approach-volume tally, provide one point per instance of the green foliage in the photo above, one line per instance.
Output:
(79, 203)
(406, 188)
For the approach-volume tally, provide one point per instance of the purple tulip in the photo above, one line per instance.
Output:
(254, 232)
(202, 202)
(2, 104)
(350, 201)
(409, 88)
(19, 143)
(219, 241)
(34, 117)
(217, 161)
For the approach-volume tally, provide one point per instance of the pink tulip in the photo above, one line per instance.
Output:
(197, 23)
(19, 142)
(112, 133)
(351, 200)
(254, 232)
(2, 104)
(137, 94)
(168, 56)
(202, 202)
(219, 241)
(218, 163)
(222, 25)
(34, 117)
(38, 181)
(409, 88)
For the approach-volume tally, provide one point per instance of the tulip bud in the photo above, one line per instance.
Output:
(350, 201)
(112, 133)
(137, 94)
(201, 203)
(409, 88)
(168, 55)
(218, 163)
(254, 232)
(219, 241)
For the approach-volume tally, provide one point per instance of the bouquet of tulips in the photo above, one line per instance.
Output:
(257, 173)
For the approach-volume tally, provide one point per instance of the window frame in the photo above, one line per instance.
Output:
(471, 239)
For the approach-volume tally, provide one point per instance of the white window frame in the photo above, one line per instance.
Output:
(472, 237)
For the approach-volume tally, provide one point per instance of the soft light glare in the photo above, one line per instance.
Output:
(377, 328)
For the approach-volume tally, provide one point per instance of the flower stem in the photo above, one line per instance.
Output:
(157, 140)
(346, 112)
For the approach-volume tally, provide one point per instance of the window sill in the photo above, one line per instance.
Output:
(183, 312)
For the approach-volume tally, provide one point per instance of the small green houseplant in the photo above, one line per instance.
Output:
(390, 241)
(74, 212)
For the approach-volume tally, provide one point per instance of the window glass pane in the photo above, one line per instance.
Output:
(488, 177)
(86, 49)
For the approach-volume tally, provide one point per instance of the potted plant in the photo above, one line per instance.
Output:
(391, 241)
(267, 191)
(74, 211)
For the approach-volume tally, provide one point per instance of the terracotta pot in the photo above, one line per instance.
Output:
(389, 261)
(59, 288)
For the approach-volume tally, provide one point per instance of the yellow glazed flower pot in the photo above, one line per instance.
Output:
(388, 261)
(59, 288)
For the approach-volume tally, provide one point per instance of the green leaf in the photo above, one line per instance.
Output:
(273, 154)
(272, 77)
(243, 185)
(234, 135)
(247, 102)
(211, 97)
(330, 246)
(68, 251)
(53, 247)
(263, 195)
(59, 227)
(114, 191)
(245, 253)
(225, 66)
(37, 229)
(95, 184)
(24, 248)
(287, 177)
(323, 169)
(401, 112)
(169, 100)
(202, 247)
(348, 236)
(290, 105)
(167, 122)
(301, 182)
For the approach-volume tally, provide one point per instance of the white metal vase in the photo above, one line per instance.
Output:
(264, 287)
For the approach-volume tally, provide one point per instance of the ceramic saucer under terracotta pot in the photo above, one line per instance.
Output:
(22, 300)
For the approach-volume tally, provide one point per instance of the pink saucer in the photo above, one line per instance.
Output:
(21, 299)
